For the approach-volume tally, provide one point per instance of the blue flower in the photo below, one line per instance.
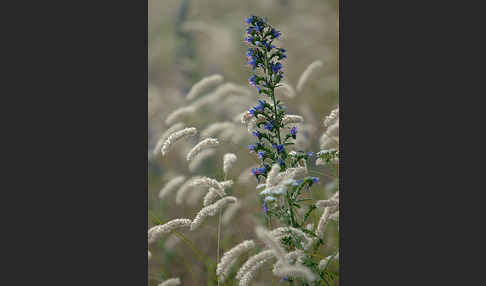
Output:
(293, 131)
(261, 105)
(267, 46)
(258, 27)
(260, 22)
(252, 62)
(269, 126)
(276, 34)
(278, 147)
(249, 39)
(265, 207)
(250, 52)
(310, 154)
(261, 154)
(252, 111)
(252, 80)
(258, 171)
(250, 19)
(252, 147)
(280, 161)
(284, 279)
(276, 67)
(257, 134)
(315, 179)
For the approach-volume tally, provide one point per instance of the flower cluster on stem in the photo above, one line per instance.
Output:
(274, 132)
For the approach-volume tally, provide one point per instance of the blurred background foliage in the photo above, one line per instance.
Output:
(191, 39)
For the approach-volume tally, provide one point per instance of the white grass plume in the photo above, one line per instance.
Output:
(171, 282)
(296, 271)
(232, 254)
(272, 178)
(204, 144)
(212, 195)
(331, 118)
(205, 181)
(333, 130)
(327, 142)
(252, 261)
(250, 274)
(171, 186)
(253, 122)
(158, 231)
(217, 127)
(243, 117)
(324, 220)
(181, 193)
(230, 212)
(200, 158)
(286, 89)
(288, 119)
(324, 262)
(211, 210)
(204, 85)
(227, 184)
(306, 75)
(163, 137)
(228, 160)
(220, 92)
(176, 136)
(292, 173)
(280, 232)
(334, 216)
(331, 202)
(270, 240)
(179, 113)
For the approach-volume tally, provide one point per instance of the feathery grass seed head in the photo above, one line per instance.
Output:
(158, 231)
(206, 143)
(171, 282)
(307, 74)
(211, 210)
(171, 186)
(234, 253)
(203, 85)
(228, 160)
(176, 136)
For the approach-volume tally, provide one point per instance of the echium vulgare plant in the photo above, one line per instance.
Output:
(284, 196)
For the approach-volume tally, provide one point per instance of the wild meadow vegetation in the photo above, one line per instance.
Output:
(243, 148)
